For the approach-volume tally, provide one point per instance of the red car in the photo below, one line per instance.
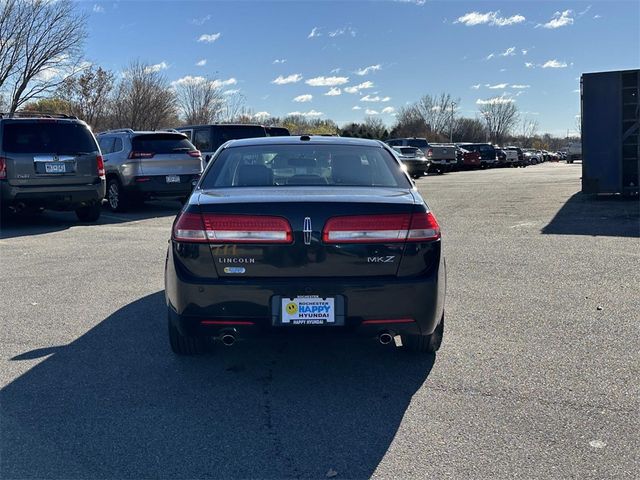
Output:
(468, 159)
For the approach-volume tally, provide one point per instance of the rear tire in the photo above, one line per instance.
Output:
(117, 198)
(425, 343)
(183, 345)
(89, 213)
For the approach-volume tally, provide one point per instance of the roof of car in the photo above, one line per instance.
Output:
(246, 125)
(303, 140)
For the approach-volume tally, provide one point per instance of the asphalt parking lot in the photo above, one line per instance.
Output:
(537, 377)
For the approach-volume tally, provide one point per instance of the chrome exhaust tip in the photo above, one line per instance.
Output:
(228, 339)
(385, 338)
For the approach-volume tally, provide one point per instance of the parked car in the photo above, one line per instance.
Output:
(467, 159)
(305, 234)
(50, 161)
(520, 161)
(510, 157)
(532, 157)
(442, 157)
(488, 155)
(277, 131)
(208, 138)
(501, 156)
(144, 165)
(413, 158)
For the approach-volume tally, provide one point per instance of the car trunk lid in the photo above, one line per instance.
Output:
(322, 232)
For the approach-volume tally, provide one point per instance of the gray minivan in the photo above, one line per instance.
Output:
(142, 165)
(50, 161)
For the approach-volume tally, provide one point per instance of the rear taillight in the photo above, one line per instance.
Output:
(135, 154)
(100, 165)
(381, 228)
(430, 152)
(194, 153)
(214, 228)
(3, 168)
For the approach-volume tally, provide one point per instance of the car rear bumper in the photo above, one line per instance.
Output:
(64, 197)
(208, 307)
(157, 186)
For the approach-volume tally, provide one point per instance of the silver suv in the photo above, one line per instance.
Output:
(50, 161)
(143, 165)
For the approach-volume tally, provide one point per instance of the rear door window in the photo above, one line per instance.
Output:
(224, 133)
(202, 140)
(106, 145)
(417, 142)
(48, 137)
(161, 143)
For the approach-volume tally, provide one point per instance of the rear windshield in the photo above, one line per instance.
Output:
(480, 148)
(418, 142)
(161, 143)
(222, 134)
(297, 165)
(47, 137)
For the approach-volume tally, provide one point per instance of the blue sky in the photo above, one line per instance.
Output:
(344, 60)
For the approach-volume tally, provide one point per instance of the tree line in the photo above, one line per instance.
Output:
(42, 69)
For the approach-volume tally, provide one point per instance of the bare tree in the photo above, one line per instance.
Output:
(40, 45)
(409, 123)
(88, 95)
(500, 115)
(200, 100)
(144, 99)
(437, 112)
(469, 130)
(234, 109)
(529, 128)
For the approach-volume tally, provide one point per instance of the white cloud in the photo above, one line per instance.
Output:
(489, 18)
(559, 19)
(303, 98)
(315, 32)
(357, 88)
(371, 112)
(327, 81)
(415, 2)
(369, 98)
(335, 70)
(577, 90)
(310, 113)
(201, 63)
(201, 21)
(520, 87)
(261, 115)
(157, 67)
(209, 37)
(343, 31)
(497, 86)
(98, 8)
(586, 10)
(490, 56)
(386, 99)
(233, 91)
(529, 65)
(357, 108)
(495, 100)
(293, 78)
(524, 52)
(509, 52)
(476, 86)
(279, 60)
(596, 17)
(333, 92)
(224, 83)
(369, 69)
(388, 110)
(554, 64)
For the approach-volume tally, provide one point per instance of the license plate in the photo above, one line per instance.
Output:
(173, 178)
(51, 167)
(308, 311)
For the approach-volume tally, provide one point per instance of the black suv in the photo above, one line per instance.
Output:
(50, 161)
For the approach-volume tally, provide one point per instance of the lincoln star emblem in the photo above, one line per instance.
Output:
(307, 230)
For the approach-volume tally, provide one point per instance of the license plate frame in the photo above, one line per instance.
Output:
(304, 314)
(172, 178)
(56, 168)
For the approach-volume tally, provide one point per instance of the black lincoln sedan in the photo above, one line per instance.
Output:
(305, 234)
